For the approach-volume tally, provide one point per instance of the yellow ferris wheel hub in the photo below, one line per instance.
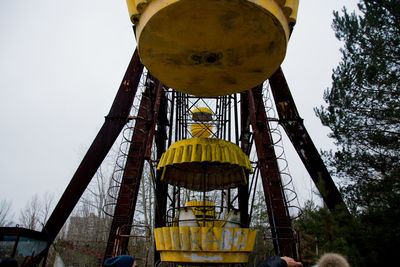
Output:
(212, 47)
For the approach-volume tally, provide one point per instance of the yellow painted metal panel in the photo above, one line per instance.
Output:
(195, 238)
(204, 257)
(187, 153)
(205, 244)
(175, 238)
(251, 240)
(195, 52)
(227, 239)
(187, 162)
(205, 238)
(239, 238)
(210, 241)
(167, 238)
(210, 150)
(295, 8)
(214, 238)
(158, 235)
(141, 5)
(290, 10)
(207, 154)
(184, 233)
(197, 153)
(133, 12)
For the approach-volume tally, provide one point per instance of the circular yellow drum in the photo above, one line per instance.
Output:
(212, 47)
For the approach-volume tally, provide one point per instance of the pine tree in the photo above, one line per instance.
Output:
(363, 104)
(363, 112)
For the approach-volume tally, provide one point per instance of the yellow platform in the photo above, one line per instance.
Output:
(204, 244)
(212, 47)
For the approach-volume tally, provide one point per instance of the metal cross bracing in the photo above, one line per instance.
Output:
(141, 142)
(232, 127)
(165, 114)
(277, 206)
(293, 125)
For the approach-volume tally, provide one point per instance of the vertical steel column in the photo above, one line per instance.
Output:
(279, 218)
(243, 190)
(113, 125)
(245, 134)
(161, 188)
(290, 120)
(142, 137)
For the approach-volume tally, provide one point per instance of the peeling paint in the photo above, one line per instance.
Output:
(196, 258)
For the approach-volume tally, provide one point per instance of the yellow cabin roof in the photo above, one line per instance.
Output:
(204, 164)
(202, 114)
(202, 109)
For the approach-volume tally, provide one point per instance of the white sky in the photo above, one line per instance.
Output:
(61, 63)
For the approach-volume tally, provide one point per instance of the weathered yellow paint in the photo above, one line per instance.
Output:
(141, 5)
(210, 237)
(204, 150)
(167, 239)
(159, 237)
(290, 9)
(189, 162)
(194, 238)
(175, 238)
(202, 109)
(184, 234)
(204, 244)
(210, 48)
(204, 257)
(133, 12)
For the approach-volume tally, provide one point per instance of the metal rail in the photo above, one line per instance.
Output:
(279, 218)
(142, 138)
(292, 123)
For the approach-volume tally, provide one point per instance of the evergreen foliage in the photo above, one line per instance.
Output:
(363, 112)
(363, 109)
(320, 233)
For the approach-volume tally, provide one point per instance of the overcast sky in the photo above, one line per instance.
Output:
(61, 63)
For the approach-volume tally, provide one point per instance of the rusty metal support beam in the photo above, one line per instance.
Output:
(161, 188)
(142, 138)
(243, 190)
(290, 120)
(113, 125)
(279, 218)
(245, 123)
